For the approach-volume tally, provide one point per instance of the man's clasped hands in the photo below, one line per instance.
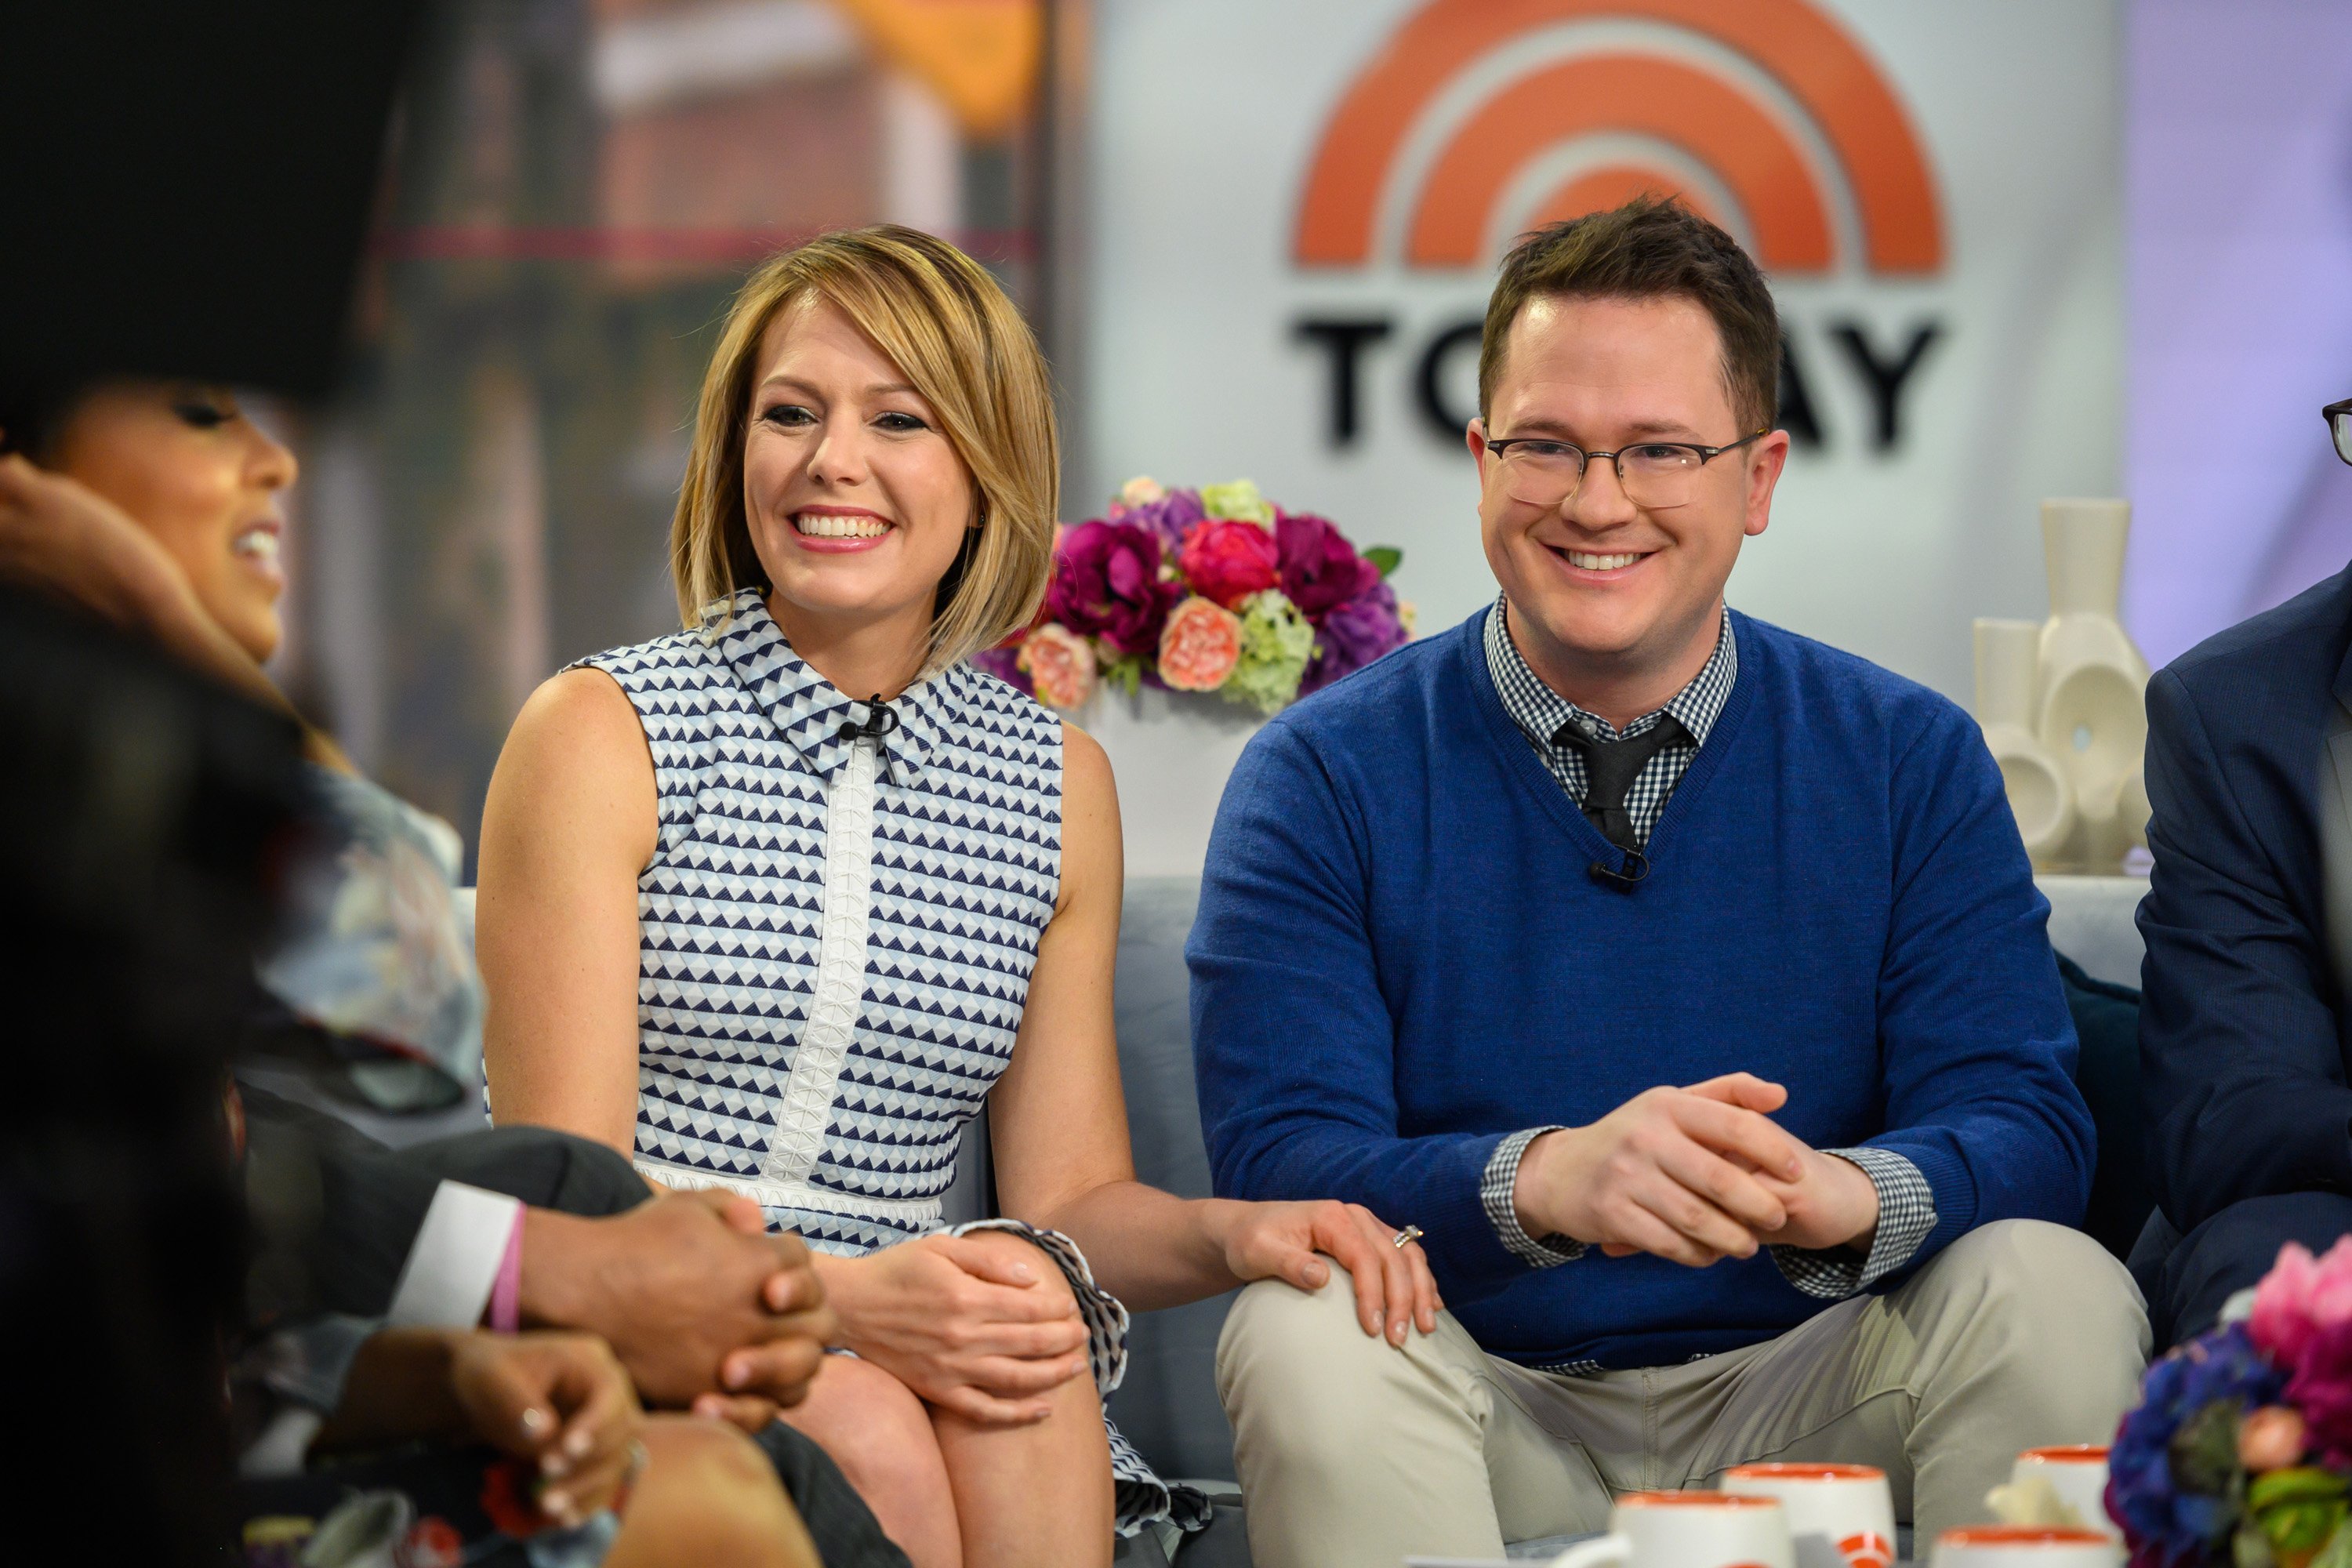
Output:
(1693, 1175)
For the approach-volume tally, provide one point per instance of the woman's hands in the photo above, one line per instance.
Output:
(1394, 1289)
(65, 539)
(983, 1324)
(561, 1399)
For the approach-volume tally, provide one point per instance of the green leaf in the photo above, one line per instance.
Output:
(2250, 1548)
(2302, 1483)
(1125, 672)
(2204, 1451)
(1386, 557)
(2337, 1552)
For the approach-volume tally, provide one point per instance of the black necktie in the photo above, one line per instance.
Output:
(1610, 769)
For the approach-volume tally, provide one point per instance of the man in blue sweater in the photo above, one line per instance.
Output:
(1472, 915)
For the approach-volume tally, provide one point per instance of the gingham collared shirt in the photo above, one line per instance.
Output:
(1906, 1204)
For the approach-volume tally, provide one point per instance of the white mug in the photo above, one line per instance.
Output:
(2077, 1472)
(1839, 1516)
(1672, 1530)
(1700, 1530)
(2024, 1546)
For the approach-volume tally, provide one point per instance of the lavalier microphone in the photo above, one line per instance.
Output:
(1624, 877)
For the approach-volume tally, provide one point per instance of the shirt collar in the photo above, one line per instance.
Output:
(1540, 712)
(809, 711)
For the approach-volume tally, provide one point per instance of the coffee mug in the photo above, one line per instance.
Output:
(1702, 1529)
(2077, 1472)
(2024, 1546)
(1839, 1516)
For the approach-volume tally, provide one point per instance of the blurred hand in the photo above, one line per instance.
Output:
(557, 1399)
(1394, 1289)
(63, 538)
(983, 1324)
(1685, 1174)
(702, 1306)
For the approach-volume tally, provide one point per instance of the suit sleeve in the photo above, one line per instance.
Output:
(2240, 1062)
(1975, 1041)
(1294, 1048)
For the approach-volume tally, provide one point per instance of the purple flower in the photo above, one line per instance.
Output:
(1320, 570)
(1171, 517)
(2321, 1387)
(1353, 635)
(2167, 1521)
(1005, 663)
(1108, 585)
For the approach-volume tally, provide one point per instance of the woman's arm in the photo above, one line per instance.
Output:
(570, 822)
(1057, 1121)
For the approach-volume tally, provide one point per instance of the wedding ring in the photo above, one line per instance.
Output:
(1405, 1238)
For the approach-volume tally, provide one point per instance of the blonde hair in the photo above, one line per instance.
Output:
(960, 344)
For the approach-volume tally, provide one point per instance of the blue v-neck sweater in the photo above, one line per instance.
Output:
(1400, 958)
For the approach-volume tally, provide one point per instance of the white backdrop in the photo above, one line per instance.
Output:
(1205, 118)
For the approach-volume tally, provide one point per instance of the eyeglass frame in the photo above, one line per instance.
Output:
(2331, 414)
(1501, 445)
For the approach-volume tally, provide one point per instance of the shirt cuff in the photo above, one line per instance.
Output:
(1906, 1213)
(454, 1263)
(1502, 1175)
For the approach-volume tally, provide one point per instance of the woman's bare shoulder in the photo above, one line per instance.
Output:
(576, 760)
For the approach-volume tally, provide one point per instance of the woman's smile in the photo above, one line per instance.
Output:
(256, 549)
(839, 530)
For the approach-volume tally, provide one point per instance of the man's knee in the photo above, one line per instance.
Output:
(1301, 1360)
(2047, 1306)
(2234, 1248)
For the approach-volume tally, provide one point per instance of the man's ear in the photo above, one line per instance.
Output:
(1473, 435)
(1764, 465)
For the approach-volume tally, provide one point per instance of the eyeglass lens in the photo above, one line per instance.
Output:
(2339, 425)
(1653, 476)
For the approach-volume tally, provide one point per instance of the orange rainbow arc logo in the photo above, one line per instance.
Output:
(1694, 110)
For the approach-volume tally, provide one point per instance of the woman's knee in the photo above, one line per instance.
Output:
(879, 1434)
(1011, 1248)
(710, 1495)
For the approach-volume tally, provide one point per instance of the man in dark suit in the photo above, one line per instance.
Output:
(2245, 1037)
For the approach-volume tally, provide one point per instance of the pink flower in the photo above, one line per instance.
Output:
(1319, 567)
(2300, 1297)
(1202, 645)
(1225, 562)
(1106, 584)
(1060, 664)
(2272, 1439)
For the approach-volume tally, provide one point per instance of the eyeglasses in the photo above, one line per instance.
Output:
(2339, 425)
(1655, 474)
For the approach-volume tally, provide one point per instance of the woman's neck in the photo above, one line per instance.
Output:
(861, 657)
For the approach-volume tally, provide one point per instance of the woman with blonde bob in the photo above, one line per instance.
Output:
(774, 903)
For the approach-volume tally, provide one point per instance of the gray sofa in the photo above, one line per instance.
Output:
(1168, 1407)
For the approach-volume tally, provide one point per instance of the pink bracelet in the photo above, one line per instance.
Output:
(506, 1291)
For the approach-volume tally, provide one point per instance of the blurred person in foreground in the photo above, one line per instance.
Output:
(1682, 980)
(773, 902)
(2245, 1034)
(147, 815)
(156, 503)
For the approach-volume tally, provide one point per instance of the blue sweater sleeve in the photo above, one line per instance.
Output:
(2239, 1050)
(1978, 1047)
(1293, 1046)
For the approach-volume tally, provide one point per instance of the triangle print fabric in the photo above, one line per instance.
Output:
(836, 934)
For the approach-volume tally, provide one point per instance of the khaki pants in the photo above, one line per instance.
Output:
(1355, 1454)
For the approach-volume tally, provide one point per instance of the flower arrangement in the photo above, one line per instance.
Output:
(1214, 590)
(2240, 1452)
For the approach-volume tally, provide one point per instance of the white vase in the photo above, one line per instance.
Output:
(2092, 714)
(2040, 794)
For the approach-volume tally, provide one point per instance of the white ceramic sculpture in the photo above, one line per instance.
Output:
(2008, 655)
(2074, 689)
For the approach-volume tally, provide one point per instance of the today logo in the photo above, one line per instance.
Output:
(1480, 120)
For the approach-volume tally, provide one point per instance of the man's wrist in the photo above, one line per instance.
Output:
(1864, 1193)
(1532, 1191)
(558, 1271)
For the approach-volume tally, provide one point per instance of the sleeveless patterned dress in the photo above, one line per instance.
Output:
(837, 934)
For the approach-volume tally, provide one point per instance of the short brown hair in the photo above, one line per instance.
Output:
(1652, 246)
(963, 346)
